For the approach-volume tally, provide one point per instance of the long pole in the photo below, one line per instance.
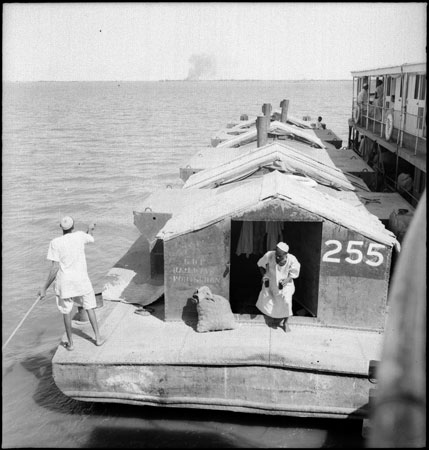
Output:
(20, 323)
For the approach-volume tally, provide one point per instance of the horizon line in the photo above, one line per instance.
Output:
(173, 79)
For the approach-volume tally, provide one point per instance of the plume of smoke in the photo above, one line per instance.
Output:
(202, 67)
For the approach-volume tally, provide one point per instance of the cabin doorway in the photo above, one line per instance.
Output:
(304, 240)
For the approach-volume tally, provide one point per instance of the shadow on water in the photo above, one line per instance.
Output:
(7, 370)
(344, 433)
(157, 438)
(47, 394)
(160, 427)
(188, 428)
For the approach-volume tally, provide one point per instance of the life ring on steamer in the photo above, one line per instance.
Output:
(356, 113)
(388, 125)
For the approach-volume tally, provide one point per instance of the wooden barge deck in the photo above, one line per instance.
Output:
(312, 371)
(319, 369)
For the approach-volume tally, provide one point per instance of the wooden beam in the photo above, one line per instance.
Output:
(285, 106)
(262, 130)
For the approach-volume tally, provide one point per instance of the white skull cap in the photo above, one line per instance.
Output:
(66, 223)
(283, 246)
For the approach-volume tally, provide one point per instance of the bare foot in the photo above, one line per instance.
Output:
(67, 346)
(100, 341)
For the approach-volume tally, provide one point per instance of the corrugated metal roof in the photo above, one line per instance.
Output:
(275, 125)
(236, 199)
(294, 120)
(223, 202)
(344, 159)
(210, 157)
(243, 124)
(289, 160)
(173, 201)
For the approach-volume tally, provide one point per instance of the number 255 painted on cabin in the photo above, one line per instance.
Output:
(356, 253)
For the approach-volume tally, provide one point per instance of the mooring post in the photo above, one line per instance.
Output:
(285, 106)
(266, 109)
(262, 129)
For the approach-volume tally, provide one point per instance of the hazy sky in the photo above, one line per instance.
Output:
(152, 41)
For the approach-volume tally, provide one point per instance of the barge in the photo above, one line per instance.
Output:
(261, 174)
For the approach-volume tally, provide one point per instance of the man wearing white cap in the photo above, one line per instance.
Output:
(278, 268)
(362, 98)
(69, 270)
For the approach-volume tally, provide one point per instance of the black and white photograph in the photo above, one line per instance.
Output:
(214, 224)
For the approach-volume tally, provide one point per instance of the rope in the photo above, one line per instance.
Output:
(20, 323)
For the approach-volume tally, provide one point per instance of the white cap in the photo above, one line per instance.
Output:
(283, 246)
(66, 223)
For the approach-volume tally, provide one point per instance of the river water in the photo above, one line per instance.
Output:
(93, 150)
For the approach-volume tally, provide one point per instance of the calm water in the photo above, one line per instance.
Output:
(93, 151)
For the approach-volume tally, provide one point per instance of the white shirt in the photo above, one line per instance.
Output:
(272, 301)
(72, 279)
(275, 272)
(379, 92)
(363, 97)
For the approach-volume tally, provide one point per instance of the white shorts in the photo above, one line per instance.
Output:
(87, 301)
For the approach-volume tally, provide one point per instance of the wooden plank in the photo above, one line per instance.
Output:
(352, 294)
(247, 389)
(194, 260)
(348, 253)
(310, 371)
(309, 346)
